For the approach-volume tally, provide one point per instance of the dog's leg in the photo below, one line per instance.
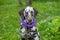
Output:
(35, 34)
(29, 2)
(22, 32)
(20, 2)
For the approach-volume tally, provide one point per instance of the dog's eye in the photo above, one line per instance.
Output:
(31, 13)
(26, 14)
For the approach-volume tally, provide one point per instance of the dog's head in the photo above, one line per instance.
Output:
(28, 14)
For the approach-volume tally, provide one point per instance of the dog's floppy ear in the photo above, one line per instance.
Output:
(35, 11)
(21, 13)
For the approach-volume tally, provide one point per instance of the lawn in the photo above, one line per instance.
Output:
(48, 19)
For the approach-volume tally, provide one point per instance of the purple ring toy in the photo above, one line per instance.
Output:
(29, 25)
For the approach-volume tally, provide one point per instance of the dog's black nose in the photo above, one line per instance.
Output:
(30, 19)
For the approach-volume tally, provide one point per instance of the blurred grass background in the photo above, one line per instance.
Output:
(48, 19)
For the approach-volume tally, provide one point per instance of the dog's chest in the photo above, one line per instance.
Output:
(23, 28)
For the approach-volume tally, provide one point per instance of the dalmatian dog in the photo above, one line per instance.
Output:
(32, 33)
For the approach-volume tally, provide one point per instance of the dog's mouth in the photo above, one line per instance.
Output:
(29, 21)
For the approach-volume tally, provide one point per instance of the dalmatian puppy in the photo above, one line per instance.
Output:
(32, 33)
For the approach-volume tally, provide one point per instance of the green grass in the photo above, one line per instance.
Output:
(48, 19)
